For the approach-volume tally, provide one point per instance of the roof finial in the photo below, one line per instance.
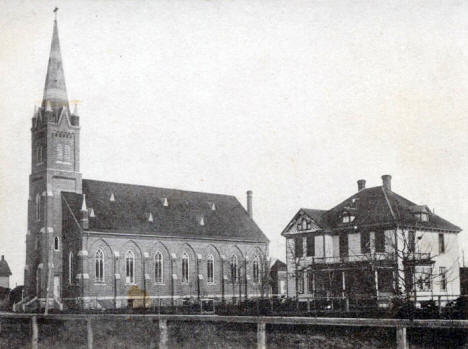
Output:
(55, 12)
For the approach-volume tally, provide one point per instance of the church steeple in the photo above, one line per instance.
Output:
(55, 91)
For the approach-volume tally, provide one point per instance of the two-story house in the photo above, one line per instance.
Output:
(374, 245)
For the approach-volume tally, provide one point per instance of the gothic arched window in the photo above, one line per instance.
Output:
(158, 268)
(38, 206)
(56, 243)
(70, 268)
(39, 153)
(234, 268)
(255, 270)
(99, 265)
(66, 153)
(59, 152)
(185, 267)
(210, 269)
(130, 268)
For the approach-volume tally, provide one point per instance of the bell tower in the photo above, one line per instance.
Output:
(55, 167)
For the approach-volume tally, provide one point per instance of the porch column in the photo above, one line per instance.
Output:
(261, 335)
(35, 333)
(163, 334)
(401, 338)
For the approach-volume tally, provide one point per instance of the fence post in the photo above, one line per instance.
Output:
(35, 333)
(90, 333)
(261, 335)
(402, 342)
(163, 335)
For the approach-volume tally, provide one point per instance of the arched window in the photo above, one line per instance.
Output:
(66, 153)
(210, 269)
(70, 268)
(38, 206)
(234, 268)
(99, 265)
(130, 268)
(255, 270)
(39, 153)
(59, 152)
(158, 268)
(56, 243)
(185, 267)
(304, 224)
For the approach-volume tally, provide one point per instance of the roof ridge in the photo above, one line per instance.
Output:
(161, 188)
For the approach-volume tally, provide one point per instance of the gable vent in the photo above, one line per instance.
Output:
(112, 197)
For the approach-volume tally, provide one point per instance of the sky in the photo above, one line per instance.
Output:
(294, 100)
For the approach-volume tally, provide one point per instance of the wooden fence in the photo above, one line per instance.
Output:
(399, 324)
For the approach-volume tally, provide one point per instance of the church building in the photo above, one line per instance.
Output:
(95, 244)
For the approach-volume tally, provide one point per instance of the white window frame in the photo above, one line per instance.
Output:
(38, 202)
(234, 271)
(160, 279)
(255, 270)
(130, 273)
(70, 268)
(99, 270)
(210, 260)
(185, 269)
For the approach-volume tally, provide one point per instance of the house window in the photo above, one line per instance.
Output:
(185, 267)
(210, 269)
(158, 268)
(304, 224)
(234, 268)
(99, 265)
(443, 278)
(347, 217)
(422, 216)
(343, 242)
(38, 207)
(56, 243)
(298, 247)
(310, 242)
(423, 278)
(310, 282)
(411, 241)
(70, 268)
(130, 268)
(365, 242)
(300, 282)
(255, 270)
(441, 243)
(380, 241)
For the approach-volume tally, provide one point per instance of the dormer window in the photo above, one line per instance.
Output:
(201, 220)
(347, 217)
(422, 217)
(165, 202)
(213, 206)
(112, 197)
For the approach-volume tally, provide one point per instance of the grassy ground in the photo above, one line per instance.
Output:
(136, 334)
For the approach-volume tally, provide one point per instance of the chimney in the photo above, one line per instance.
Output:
(387, 182)
(249, 203)
(361, 184)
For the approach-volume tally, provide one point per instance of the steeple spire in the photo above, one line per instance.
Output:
(55, 90)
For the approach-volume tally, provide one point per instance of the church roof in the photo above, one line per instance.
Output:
(4, 268)
(55, 91)
(137, 209)
(377, 207)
